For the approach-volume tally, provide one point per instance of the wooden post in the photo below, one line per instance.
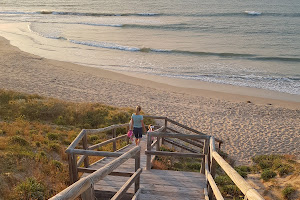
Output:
(85, 146)
(212, 164)
(158, 143)
(165, 130)
(205, 152)
(137, 166)
(148, 164)
(89, 194)
(114, 142)
(127, 138)
(166, 123)
(209, 189)
(72, 168)
(213, 167)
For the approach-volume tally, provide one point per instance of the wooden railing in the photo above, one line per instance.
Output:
(240, 182)
(84, 186)
(209, 155)
(86, 151)
(199, 144)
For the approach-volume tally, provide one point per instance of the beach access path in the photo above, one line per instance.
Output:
(154, 184)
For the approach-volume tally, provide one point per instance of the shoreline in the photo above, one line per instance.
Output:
(248, 125)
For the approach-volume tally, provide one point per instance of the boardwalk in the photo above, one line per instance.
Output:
(155, 184)
(122, 173)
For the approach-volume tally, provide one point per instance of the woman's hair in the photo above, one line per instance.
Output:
(138, 108)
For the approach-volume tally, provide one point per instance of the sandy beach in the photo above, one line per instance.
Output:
(260, 123)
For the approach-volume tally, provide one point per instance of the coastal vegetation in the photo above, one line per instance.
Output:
(276, 176)
(34, 133)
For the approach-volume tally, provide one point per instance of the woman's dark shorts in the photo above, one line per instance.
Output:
(138, 132)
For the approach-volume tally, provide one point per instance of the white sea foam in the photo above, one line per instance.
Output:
(96, 24)
(253, 13)
(105, 45)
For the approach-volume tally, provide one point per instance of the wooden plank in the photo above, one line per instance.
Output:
(214, 187)
(114, 133)
(85, 146)
(200, 145)
(148, 161)
(88, 170)
(176, 135)
(190, 129)
(137, 166)
(89, 131)
(97, 153)
(126, 186)
(197, 142)
(165, 153)
(181, 145)
(154, 117)
(107, 142)
(105, 195)
(136, 195)
(76, 141)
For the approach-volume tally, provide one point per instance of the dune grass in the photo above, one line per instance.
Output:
(34, 134)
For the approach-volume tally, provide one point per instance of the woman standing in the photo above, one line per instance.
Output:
(137, 124)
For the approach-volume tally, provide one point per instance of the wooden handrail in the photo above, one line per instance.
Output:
(182, 146)
(212, 182)
(167, 153)
(240, 182)
(85, 183)
(99, 130)
(154, 117)
(76, 140)
(190, 129)
(127, 185)
(176, 135)
(106, 142)
(195, 142)
(81, 159)
(96, 153)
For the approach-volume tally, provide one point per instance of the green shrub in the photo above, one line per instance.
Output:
(178, 165)
(277, 164)
(232, 190)
(193, 166)
(55, 147)
(284, 170)
(37, 144)
(265, 164)
(258, 158)
(222, 180)
(53, 136)
(2, 132)
(288, 191)
(165, 148)
(93, 138)
(268, 174)
(18, 140)
(57, 164)
(243, 170)
(42, 156)
(31, 189)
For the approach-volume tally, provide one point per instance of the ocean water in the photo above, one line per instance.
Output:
(245, 43)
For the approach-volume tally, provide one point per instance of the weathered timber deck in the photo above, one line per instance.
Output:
(154, 184)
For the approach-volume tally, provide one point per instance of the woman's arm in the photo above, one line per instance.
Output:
(131, 124)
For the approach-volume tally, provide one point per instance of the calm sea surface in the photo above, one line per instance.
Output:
(246, 43)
